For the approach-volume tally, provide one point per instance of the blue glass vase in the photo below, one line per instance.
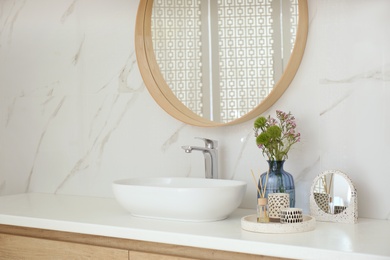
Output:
(279, 181)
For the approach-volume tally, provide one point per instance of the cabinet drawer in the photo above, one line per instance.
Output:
(19, 247)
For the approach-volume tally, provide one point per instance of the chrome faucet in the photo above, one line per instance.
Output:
(210, 153)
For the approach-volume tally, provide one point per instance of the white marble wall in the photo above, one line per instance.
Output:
(75, 114)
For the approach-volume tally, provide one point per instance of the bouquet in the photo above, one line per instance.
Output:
(276, 136)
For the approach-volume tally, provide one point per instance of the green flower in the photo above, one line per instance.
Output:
(263, 138)
(260, 122)
(274, 131)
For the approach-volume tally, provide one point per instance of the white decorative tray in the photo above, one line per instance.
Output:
(249, 223)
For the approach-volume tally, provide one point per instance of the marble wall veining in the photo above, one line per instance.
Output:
(75, 114)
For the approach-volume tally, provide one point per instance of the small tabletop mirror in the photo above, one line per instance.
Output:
(333, 198)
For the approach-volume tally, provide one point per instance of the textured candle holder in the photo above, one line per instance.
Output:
(277, 202)
(291, 216)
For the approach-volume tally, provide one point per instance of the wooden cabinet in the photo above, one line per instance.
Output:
(133, 255)
(19, 247)
(33, 244)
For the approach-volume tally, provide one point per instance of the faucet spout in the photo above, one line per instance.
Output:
(187, 148)
(210, 153)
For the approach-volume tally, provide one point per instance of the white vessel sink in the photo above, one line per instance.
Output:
(186, 199)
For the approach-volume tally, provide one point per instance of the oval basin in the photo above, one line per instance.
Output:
(185, 199)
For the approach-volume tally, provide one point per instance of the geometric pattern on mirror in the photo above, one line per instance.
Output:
(293, 21)
(226, 84)
(176, 30)
(246, 72)
(252, 50)
(333, 198)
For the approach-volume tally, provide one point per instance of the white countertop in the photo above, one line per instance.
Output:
(369, 239)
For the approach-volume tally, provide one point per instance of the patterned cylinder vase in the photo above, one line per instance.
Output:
(277, 202)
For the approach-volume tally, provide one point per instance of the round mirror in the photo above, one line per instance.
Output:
(210, 63)
(333, 198)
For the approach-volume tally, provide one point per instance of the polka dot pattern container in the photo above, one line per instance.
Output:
(291, 215)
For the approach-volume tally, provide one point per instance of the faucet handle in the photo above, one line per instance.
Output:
(211, 144)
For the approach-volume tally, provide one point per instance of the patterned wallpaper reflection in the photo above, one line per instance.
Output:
(222, 58)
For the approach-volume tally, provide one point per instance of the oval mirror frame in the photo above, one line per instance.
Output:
(348, 215)
(167, 100)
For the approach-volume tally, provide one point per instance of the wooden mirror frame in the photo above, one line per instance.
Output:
(167, 100)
